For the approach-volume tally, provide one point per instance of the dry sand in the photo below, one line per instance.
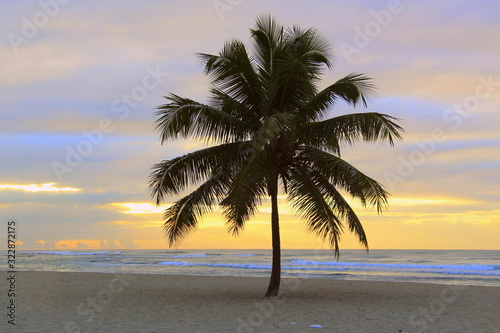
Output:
(96, 302)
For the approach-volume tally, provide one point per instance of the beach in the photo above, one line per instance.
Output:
(146, 303)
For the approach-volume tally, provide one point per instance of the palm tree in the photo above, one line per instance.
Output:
(267, 122)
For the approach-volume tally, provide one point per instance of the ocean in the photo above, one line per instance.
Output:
(461, 267)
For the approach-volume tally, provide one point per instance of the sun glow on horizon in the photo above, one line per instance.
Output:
(137, 207)
(47, 187)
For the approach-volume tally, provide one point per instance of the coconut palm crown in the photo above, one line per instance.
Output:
(268, 124)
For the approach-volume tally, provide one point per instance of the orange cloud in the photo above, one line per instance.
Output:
(74, 244)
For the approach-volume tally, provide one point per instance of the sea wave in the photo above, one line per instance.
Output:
(467, 267)
(244, 255)
(344, 267)
(193, 255)
(246, 266)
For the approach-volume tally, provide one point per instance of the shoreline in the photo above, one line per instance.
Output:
(147, 303)
(260, 277)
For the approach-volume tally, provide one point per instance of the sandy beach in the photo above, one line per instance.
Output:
(96, 302)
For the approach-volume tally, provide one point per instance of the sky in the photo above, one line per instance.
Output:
(80, 81)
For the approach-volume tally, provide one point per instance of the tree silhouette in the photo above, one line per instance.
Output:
(269, 126)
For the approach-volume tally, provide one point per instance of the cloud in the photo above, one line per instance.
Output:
(137, 224)
(49, 187)
(137, 208)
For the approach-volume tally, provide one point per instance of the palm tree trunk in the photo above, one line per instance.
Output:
(274, 283)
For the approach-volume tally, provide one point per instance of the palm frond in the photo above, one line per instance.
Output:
(310, 48)
(222, 101)
(307, 195)
(347, 129)
(298, 62)
(184, 117)
(233, 71)
(171, 177)
(340, 206)
(275, 132)
(341, 173)
(267, 38)
(248, 187)
(353, 89)
(289, 86)
(182, 217)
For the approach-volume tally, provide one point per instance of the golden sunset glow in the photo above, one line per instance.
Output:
(137, 208)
